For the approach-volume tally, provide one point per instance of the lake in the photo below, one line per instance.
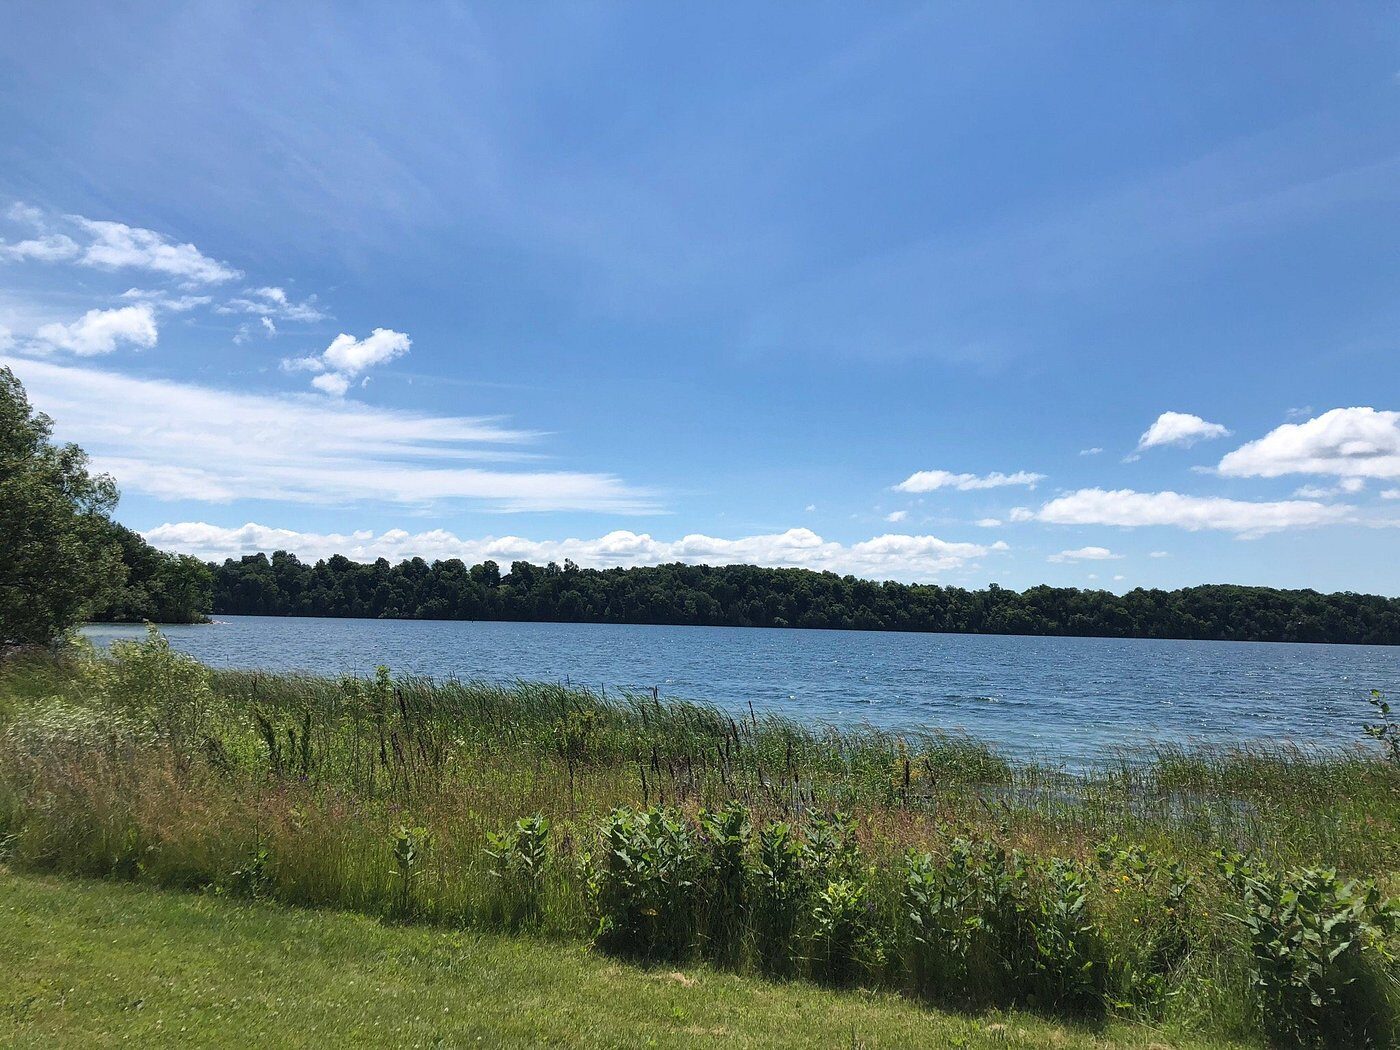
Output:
(1065, 700)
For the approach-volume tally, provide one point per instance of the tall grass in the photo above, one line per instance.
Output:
(665, 830)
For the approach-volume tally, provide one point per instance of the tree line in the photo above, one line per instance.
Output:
(749, 596)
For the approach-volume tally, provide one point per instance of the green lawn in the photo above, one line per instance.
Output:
(102, 964)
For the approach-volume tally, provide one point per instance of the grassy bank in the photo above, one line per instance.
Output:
(1240, 895)
(101, 964)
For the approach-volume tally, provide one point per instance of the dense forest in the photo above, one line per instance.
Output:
(156, 585)
(748, 596)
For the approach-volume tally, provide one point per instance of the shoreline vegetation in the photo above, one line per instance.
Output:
(1232, 894)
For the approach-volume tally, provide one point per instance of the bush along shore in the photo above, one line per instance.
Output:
(1240, 894)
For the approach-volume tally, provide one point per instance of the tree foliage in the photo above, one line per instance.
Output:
(62, 557)
(748, 596)
(58, 558)
(160, 587)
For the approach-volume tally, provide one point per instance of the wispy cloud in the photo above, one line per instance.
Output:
(108, 245)
(273, 302)
(1129, 509)
(881, 557)
(182, 441)
(51, 247)
(933, 480)
(1085, 554)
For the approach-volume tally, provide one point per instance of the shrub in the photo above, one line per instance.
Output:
(726, 842)
(1151, 938)
(779, 894)
(410, 846)
(1066, 970)
(518, 859)
(941, 921)
(1313, 942)
(644, 884)
(843, 940)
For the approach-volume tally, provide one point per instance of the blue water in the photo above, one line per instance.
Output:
(1066, 700)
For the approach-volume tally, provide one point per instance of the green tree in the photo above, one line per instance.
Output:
(57, 554)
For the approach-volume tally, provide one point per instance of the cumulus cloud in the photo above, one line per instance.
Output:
(1129, 509)
(333, 383)
(347, 357)
(1085, 554)
(1387, 494)
(100, 331)
(117, 246)
(1345, 442)
(182, 441)
(933, 480)
(881, 557)
(896, 515)
(988, 523)
(1179, 428)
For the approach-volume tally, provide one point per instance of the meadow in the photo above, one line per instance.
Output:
(1239, 895)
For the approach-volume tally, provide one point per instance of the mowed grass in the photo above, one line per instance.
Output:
(86, 963)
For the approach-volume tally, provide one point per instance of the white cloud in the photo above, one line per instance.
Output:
(352, 356)
(1179, 428)
(932, 480)
(811, 507)
(1090, 451)
(347, 357)
(181, 441)
(1129, 509)
(50, 247)
(1345, 487)
(1159, 554)
(116, 246)
(7, 338)
(1345, 442)
(1387, 494)
(268, 329)
(896, 515)
(25, 214)
(177, 304)
(272, 302)
(100, 331)
(881, 557)
(332, 383)
(988, 523)
(113, 246)
(1085, 554)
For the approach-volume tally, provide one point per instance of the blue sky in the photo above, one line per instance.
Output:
(893, 290)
